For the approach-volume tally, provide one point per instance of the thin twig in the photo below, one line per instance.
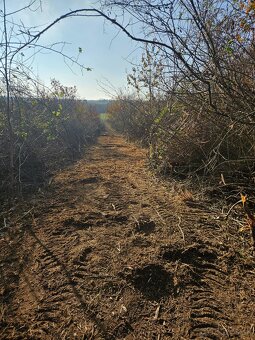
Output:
(161, 218)
(179, 226)
(21, 217)
(5, 226)
(157, 313)
(225, 329)
(231, 208)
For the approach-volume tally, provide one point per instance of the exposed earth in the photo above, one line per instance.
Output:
(108, 251)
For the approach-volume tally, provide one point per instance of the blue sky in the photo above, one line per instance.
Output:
(105, 50)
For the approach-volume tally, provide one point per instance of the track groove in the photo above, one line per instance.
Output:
(112, 254)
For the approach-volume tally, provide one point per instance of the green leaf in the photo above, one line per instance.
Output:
(229, 49)
(56, 113)
(23, 135)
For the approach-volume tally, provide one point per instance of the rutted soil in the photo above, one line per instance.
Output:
(109, 252)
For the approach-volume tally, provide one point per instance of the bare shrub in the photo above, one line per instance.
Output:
(195, 83)
(50, 130)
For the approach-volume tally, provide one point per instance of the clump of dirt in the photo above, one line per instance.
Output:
(145, 225)
(89, 180)
(152, 280)
(194, 254)
(82, 256)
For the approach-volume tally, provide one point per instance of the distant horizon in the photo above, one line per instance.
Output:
(97, 100)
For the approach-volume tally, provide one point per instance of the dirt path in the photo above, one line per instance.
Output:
(110, 253)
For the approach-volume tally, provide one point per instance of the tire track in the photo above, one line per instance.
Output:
(116, 256)
(207, 316)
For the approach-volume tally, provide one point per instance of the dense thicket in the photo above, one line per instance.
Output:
(50, 128)
(193, 101)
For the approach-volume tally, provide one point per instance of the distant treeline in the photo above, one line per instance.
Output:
(100, 106)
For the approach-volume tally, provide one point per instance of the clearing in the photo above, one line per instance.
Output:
(107, 251)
